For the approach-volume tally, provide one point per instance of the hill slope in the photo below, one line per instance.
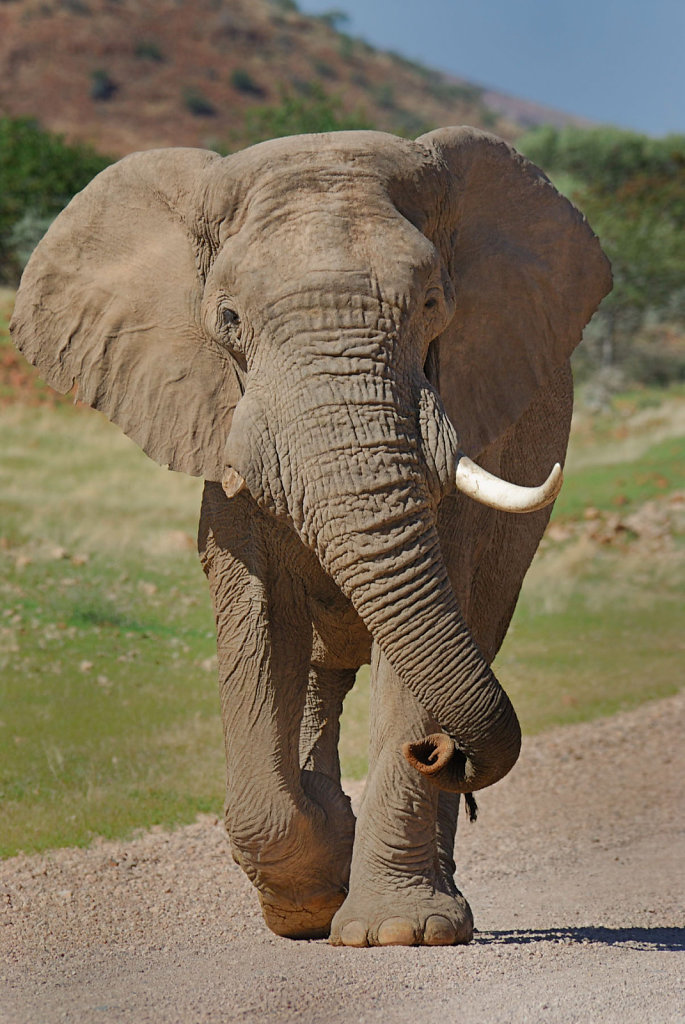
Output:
(132, 74)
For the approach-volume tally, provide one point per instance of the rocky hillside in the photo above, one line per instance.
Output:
(133, 74)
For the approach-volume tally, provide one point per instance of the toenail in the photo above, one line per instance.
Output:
(396, 931)
(438, 931)
(353, 934)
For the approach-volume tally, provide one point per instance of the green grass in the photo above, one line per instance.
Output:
(601, 643)
(108, 704)
(109, 716)
(627, 484)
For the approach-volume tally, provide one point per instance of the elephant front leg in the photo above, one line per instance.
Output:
(291, 830)
(401, 886)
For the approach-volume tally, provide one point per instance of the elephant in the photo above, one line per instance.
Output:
(350, 336)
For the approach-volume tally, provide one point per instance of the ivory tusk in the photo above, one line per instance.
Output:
(232, 482)
(490, 490)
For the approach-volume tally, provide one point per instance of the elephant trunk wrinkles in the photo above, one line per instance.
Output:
(411, 612)
(367, 510)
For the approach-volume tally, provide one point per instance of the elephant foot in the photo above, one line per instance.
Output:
(302, 875)
(422, 916)
(308, 917)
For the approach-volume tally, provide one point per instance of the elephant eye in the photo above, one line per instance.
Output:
(230, 318)
(432, 300)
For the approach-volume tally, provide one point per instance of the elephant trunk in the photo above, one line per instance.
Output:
(368, 510)
(412, 613)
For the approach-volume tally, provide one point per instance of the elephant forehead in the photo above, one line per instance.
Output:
(378, 149)
(328, 247)
(357, 166)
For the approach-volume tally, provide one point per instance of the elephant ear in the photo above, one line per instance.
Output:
(528, 274)
(111, 301)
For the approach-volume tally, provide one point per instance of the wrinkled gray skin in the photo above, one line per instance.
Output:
(316, 313)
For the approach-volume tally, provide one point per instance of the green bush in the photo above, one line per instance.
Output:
(243, 81)
(335, 19)
(299, 115)
(39, 173)
(632, 189)
(346, 46)
(197, 103)
(606, 158)
(27, 233)
(102, 85)
(452, 92)
(408, 124)
(657, 357)
(148, 49)
(324, 69)
(384, 96)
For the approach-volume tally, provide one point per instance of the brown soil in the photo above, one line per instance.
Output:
(134, 74)
(574, 871)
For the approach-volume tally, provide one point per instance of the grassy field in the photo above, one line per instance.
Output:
(108, 706)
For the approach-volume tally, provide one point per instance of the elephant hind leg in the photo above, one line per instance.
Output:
(320, 729)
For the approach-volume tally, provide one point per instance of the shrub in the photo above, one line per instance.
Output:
(488, 117)
(197, 103)
(632, 188)
(453, 92)
(242, 81)
(324, 69)
(384, 96)
(299, 115)
(606, 157)
(26, 234)
(39, 173)
(335, 19)
(346, 46)
(147, 49)
(304, 86)
(76, 7)
(657, 357)
(102, 87)
(410, 65)
(408, 124)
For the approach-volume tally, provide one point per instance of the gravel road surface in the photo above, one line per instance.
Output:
(575, 871)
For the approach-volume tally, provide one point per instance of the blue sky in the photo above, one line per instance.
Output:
(615, 61)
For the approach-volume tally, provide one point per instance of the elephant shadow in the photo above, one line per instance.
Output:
(647, 939)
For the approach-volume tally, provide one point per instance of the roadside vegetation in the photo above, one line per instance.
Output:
(632, 190)
(39, 174)
(109, 717)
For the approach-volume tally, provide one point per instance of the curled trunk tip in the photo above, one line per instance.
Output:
(438, 758)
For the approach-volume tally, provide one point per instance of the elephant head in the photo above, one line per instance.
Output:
(277, 319)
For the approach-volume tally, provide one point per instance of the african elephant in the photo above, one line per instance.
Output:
(319, 326)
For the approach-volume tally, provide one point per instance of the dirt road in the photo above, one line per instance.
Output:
(575, 871)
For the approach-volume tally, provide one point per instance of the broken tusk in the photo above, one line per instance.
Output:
(482, 486)
(232, 482)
